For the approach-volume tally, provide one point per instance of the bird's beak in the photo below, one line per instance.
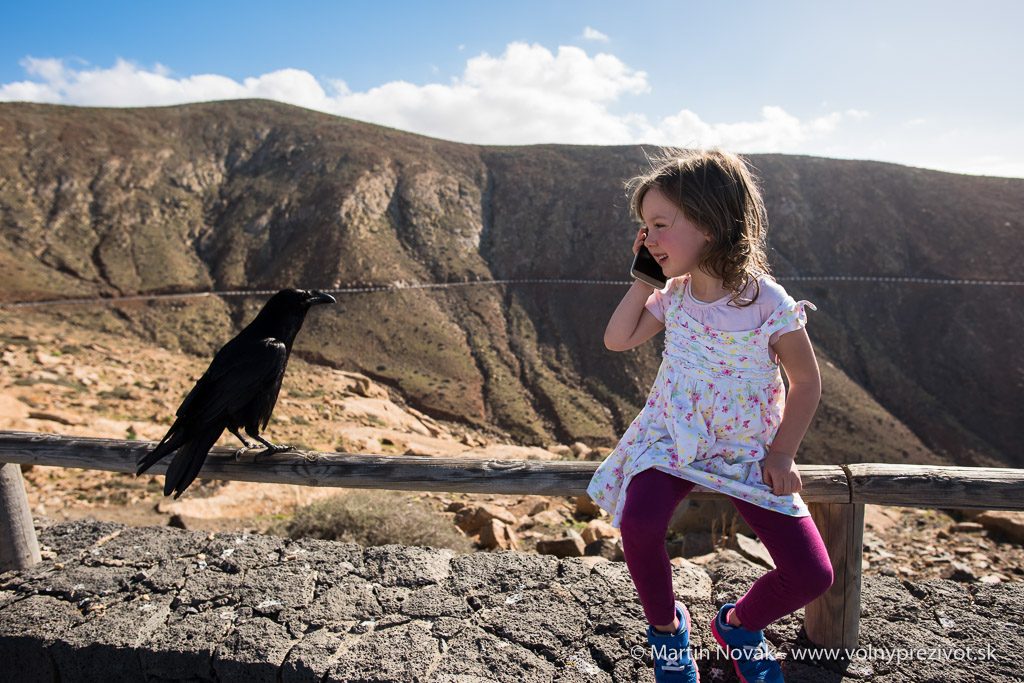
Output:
(318, 297)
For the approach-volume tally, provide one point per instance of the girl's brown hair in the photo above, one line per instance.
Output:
(717, 191)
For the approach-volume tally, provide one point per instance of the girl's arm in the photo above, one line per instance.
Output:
(632, 324)
(797, 358)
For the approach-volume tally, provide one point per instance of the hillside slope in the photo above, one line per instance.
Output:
(253, 195)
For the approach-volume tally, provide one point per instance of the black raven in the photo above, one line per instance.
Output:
(237, 391)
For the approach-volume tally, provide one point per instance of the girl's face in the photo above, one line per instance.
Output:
(674, 241)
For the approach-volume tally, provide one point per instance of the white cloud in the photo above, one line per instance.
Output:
(570, 73)
(47, 69)
(128, 85)
(775, 131)
(992, 164)
(528, 94)
(593, 34)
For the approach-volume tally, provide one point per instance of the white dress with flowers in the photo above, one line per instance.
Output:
(715, 406)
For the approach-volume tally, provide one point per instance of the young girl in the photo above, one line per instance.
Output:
(718, 414)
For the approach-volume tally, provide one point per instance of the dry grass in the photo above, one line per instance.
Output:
(373, 518)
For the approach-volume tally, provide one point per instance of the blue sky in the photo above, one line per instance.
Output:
(930, 84)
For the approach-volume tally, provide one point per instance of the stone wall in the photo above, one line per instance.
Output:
(118, 603)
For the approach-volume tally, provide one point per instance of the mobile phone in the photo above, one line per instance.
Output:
(646, 269)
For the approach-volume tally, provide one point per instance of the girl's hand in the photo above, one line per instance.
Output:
(641, 235)
(779, 471)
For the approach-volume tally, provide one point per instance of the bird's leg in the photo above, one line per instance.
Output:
(245, 442)
(271, 447)
(246, 445)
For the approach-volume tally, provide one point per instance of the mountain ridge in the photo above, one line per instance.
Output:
(256, 194)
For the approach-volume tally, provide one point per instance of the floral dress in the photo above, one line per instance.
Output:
(715, 406)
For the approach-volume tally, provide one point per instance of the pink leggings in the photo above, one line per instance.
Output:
(803, 570)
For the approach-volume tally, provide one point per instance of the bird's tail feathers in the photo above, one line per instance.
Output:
(189, 460)
(172, 441)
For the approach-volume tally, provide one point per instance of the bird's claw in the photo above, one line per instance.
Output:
(272, 449)
(241, 451)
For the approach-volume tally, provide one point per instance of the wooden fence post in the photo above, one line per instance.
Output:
(19, 548)
(833, 619)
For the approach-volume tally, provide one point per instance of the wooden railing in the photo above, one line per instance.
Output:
(836, 495)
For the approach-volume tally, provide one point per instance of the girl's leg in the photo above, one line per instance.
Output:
(802, 571)
(651, 498)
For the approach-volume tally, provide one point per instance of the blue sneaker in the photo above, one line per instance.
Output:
(673, 659)
(748, 650)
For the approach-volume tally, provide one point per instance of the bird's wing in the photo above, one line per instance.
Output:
(263, 407)
(237, 373)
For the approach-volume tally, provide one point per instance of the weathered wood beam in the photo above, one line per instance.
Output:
(19, 548)
(823, 483)
(832, 620)
(937, 486)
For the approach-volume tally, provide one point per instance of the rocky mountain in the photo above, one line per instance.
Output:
(258, 195)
